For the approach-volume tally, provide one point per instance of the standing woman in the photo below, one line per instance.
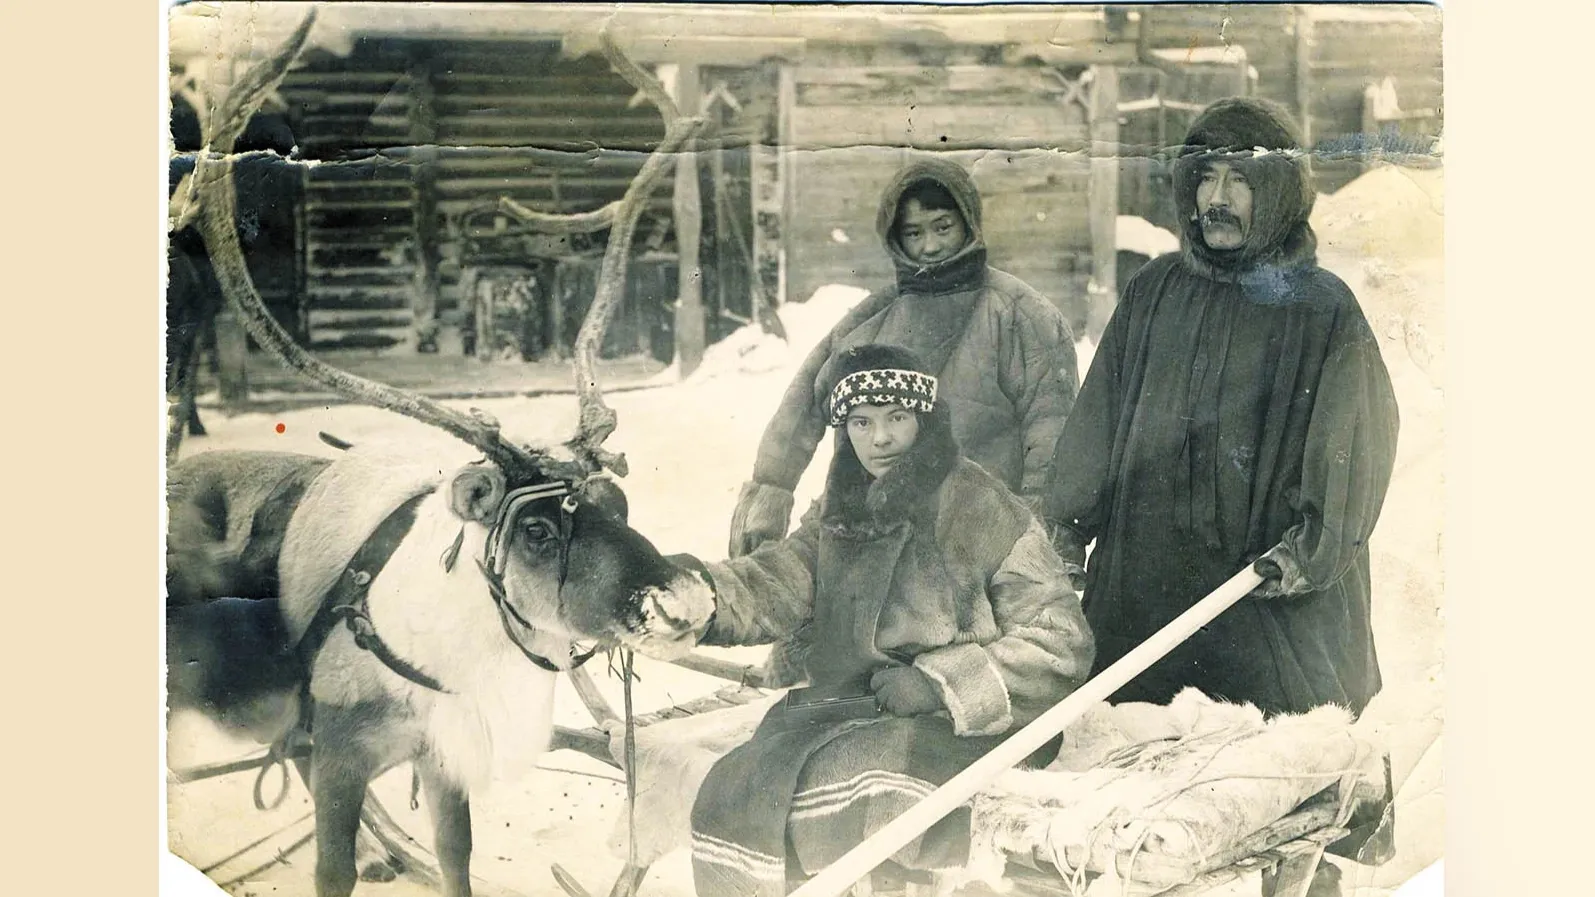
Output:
(930, 616)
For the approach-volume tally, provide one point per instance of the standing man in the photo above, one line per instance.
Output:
(1003, 353)
(1237, 412)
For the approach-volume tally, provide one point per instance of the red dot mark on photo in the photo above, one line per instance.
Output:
(282, 428)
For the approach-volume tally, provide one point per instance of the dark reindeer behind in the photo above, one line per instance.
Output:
(266, 183)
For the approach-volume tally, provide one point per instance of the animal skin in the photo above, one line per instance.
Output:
(256, 539)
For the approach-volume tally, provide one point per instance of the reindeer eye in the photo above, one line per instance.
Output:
(536, 529)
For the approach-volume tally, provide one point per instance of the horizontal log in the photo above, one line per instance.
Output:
(584, 102)
(363, 302)
(963, 128)
(362, 296)
(535, 180)
(322, 321)
(450, 155)
(342, 205)
(457, 206)
(336, 175)
(389, 121)
(531, 82)
(338, 218)
(336, 271)
(359, 237)
(309, 80)
(357, 190)
(360, 340)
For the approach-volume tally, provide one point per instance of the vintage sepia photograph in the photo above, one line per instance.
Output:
(740, 450)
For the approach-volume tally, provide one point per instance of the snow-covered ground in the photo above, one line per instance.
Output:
(691, 443)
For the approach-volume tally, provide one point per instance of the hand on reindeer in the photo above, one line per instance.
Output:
(693, 565)
(1281, 574)
(905, 691)
(762, 514)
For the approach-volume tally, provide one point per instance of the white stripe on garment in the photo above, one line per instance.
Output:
(835, 798)
(749, 862)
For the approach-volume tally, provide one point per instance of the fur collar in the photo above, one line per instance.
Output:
(860, 507)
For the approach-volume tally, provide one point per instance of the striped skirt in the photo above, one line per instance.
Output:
(791, 801)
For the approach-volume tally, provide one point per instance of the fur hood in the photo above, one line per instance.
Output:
(963, 270)
(1281, 239)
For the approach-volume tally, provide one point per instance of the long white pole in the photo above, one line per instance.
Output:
(877, 848)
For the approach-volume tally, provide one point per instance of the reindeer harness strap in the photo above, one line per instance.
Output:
(492, 565)
(347, 601)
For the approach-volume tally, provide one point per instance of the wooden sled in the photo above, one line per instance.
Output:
(1287, 852)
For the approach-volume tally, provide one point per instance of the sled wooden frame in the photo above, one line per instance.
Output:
(1291, 848)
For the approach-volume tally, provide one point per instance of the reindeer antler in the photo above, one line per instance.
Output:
(210, 186)
(597, 420)
(213, 191)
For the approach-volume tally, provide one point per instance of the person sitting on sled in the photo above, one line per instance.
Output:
(932, 616)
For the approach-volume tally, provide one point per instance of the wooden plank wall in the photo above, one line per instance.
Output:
(1265, 30)
(1019, 130)
(1317, 62)
(512, 118)
(1347, 53)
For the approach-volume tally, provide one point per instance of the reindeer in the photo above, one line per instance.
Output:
(400, 612)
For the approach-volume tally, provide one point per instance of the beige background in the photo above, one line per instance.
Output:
(82, 83)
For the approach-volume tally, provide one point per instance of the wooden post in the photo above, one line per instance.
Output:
(1304, 75)
(1103, 198)
(689, 223)
(766, 189)
(725, 248)
(785, 171)
(232, 357)
(423, 134)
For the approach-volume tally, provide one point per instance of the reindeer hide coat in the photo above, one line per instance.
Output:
(936, 564)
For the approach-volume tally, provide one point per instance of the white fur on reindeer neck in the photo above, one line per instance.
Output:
(497, 716)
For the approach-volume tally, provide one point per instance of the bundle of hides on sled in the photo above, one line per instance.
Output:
(1168, 787)
(1177, 783)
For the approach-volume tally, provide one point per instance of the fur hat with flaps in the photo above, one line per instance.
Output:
(1259, 139)
(856, 503)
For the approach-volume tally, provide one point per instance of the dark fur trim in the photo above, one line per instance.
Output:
(1281, 239)
(965, 270)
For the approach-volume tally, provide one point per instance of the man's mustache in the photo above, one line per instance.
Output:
(1219, 215)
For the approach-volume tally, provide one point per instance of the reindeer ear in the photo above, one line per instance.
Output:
(476, 493)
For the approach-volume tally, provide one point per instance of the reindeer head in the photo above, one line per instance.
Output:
(560, 558)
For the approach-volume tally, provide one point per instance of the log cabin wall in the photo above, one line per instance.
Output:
(421, 130)
(854, 119)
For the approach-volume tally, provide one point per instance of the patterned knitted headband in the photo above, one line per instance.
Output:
(882, 386)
